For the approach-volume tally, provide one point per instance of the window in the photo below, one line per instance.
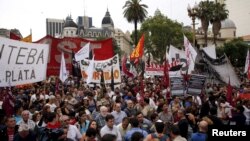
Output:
(90, 34)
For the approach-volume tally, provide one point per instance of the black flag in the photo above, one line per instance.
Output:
(76, 71)
(112, 79)
(175, 68)
(102, 83)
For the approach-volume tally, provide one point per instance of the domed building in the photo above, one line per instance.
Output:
(70, 28)
(107, 21)
(107, 29)
(228, 29)
(227, 33)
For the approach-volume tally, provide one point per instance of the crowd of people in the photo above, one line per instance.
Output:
(138, 109)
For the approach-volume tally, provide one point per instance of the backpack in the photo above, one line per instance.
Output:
(163, 138)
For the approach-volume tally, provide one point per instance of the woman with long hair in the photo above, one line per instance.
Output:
(92, 125)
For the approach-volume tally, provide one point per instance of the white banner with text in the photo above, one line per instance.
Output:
(21, 62)
(105, 66)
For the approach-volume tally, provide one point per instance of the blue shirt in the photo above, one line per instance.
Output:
(84, 128)
(199, 136)
(133, 130)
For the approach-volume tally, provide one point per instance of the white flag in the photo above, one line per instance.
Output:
(63, 72)
(90, 70)
(247, 62)
(83, 52)
(190, 54)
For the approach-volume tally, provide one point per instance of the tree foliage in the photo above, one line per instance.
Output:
(211, 12)
(135, 12)
(204, 12)
(160, 32)
(236, 50)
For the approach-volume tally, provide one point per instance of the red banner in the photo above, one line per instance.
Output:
(14, 36)
(244, 96)
(101, 49)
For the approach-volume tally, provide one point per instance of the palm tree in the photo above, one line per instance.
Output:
(220, 13)
(204, 13)
(135, 12)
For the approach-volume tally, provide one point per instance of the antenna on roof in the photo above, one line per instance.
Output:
(84, 8)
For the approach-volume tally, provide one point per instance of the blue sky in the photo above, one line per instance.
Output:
(31, 14)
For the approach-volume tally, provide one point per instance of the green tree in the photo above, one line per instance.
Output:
(220, 13)
(135, 12)
(236, 50)
(205, 13)
(160, 32)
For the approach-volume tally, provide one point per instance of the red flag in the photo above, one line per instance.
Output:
(166, 73)
(124, 68)
(248, 71)
(14, 36)
(138, 51)
(229, 92)
(103, 49)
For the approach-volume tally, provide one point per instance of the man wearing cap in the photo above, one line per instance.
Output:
(24, 134)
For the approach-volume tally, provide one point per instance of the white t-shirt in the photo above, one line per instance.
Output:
(73, 133)
(114, 131)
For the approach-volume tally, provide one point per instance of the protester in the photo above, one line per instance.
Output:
(132, 110)
(110, 128)
(135, 128)
(201, 135)
(24, 134)
(8, 132)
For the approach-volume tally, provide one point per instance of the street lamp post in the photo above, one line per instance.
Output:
(192, 12)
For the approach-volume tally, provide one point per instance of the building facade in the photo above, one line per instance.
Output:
(84, 21)
(6, 33)
(123, 41)
(70, 28)
(54, 27)
(227, 33)
(83, 28)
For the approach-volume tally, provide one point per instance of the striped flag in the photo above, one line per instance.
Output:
(190, 54)
(124, 67)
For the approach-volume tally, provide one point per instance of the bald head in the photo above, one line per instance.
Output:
(203, 126)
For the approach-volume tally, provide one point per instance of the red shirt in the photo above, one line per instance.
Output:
(54, 126)
(10, 133)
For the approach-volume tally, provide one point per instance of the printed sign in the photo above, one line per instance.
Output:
(105, 66)
(21, 62)
(196, 84)
(177, 85)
